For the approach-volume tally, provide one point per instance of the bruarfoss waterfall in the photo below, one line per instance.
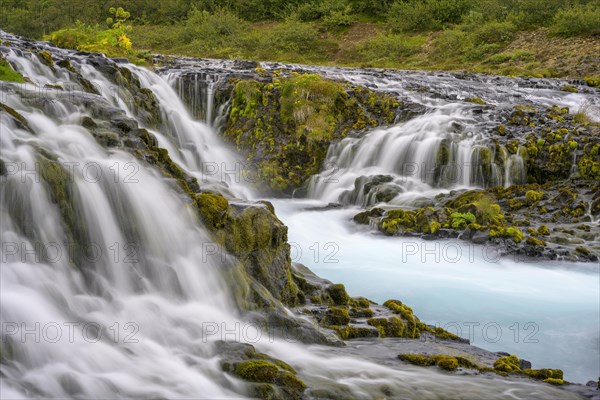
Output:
(107, 288)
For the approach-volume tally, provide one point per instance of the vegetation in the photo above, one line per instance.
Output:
(482, 36)
(8, 74)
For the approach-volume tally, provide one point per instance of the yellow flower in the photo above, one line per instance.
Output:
(125, 41)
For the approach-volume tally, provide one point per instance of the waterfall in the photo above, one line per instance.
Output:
(105, 284)
(436, 151)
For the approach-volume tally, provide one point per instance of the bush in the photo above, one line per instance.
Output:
(578, 21)
(338, 19)
(421, 16)
(449, 11)
(295, 36)
(475, 42)
(316, 10)
(533, 13)
(411, 17)
(389, 47)
(210, 31)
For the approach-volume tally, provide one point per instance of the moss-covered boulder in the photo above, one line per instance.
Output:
(267, 377)
(257, 238)
(284, 125)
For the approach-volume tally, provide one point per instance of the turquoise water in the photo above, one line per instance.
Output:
(545, 312)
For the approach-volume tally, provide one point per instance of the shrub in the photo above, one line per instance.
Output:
(210, 31)
(316, 10)
(338, 19)
(295, 36)
(411, 17)
(475, 42)
(390, 47)
(449, 11)
(578, 20)
(530, 14)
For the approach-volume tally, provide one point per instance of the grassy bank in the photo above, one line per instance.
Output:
(536, 53)
(545, 38)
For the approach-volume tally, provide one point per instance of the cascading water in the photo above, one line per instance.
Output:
(104, 285)
(445, 148)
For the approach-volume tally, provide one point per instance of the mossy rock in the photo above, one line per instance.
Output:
(533, 197)
(543, 230)
(213, 209)
(46, 58)
(349, 332)
(410, 321)
(364, 217)
(544, 373)
(20, 121)
(508, 364)
(59, 183)
(447, 363)
(338, 294)
(532, 241)
(554, 381)
(285, 126)
(267, 373)
(417, 359)
(511, 232)
(257, 371)
(388, 327)
(336, 316)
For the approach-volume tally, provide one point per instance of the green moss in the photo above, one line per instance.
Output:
(508, 364)
(352, 332)
(59, 184)
(16, 116)
(417, 359)
(475, 100)
(388, 327)
(360, 302)
(535, 242)
(361, 313)
(592, 81)
(542, 374)
(212, 208)
(291, 384)
(553, 381)
(440, 333)
(447, 363)
(46, 58)
(589, 163)
(285, 127)
(460, 220)
(336, 316)
(501, 129)
(516, 204)
(411, 323)
(510, 233)
(7, 74)
(338, 294)
(534, 196)
(582, 250)
(257, 371)
(569, 88)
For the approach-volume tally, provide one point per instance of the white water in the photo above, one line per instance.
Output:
(150, 301)
(453, 285)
